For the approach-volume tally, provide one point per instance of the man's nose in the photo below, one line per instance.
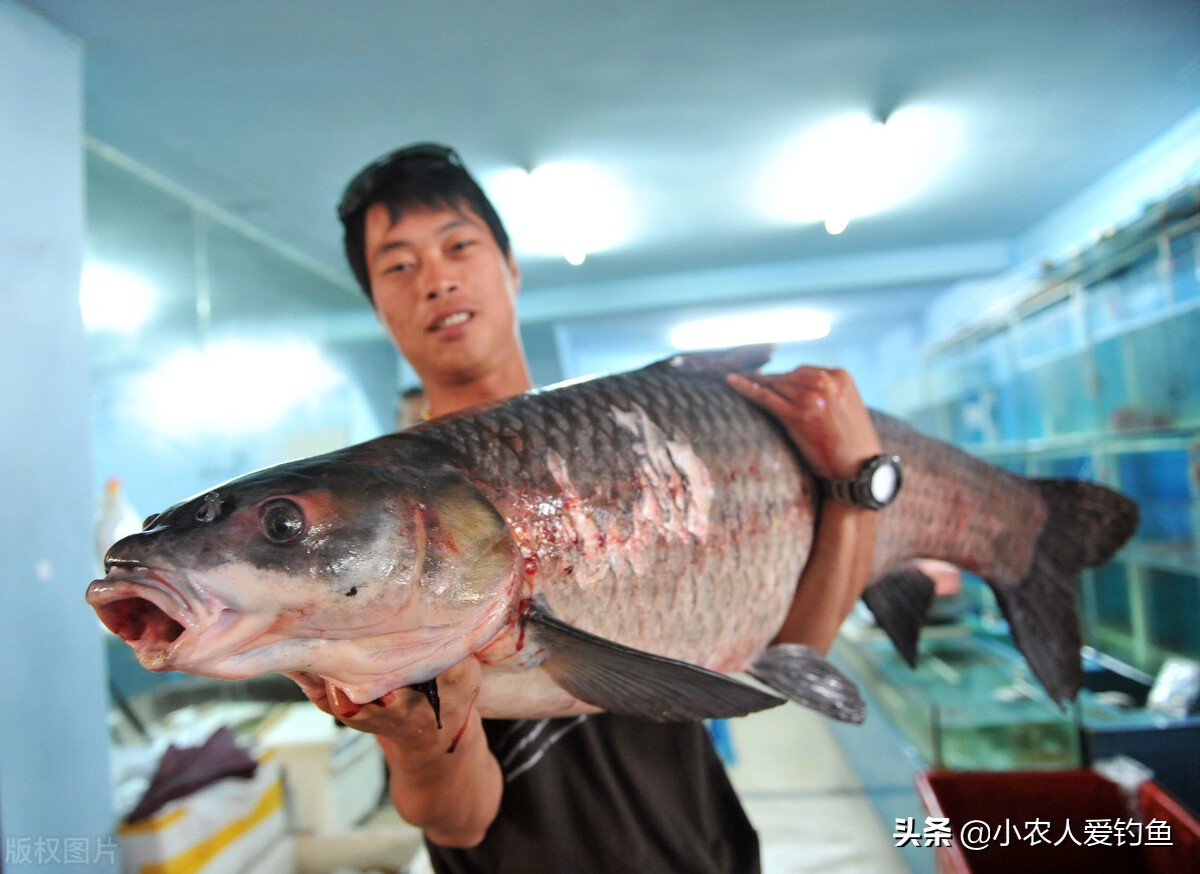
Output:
(439, 280)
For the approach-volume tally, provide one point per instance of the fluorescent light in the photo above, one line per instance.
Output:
(836, 223)
(566, 208)
(855, 165)
(114, 299)
(233, 386)
(790, 325)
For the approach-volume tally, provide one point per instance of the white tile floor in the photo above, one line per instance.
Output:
(810, 809)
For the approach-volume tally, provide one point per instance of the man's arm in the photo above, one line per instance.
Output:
(827, 421)
(444, 781)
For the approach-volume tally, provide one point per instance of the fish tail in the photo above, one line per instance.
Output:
(1029, 539)
(1085, 526)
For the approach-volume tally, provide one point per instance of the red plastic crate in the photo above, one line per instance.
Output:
(1060, 821)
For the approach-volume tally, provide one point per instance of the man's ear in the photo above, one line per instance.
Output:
(514, 271)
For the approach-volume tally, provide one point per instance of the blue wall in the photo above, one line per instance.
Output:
(54, 782)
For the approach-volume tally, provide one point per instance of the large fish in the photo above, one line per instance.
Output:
(618, 544)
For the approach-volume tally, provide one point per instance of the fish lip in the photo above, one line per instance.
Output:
(146, 611)
(166, 630)
(434, 324)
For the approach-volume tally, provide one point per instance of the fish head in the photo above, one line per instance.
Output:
(359, 566)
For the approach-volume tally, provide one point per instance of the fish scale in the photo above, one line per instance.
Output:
(958, 508)
(764, 523)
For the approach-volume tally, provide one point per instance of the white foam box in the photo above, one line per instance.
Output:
(279, 859)
(223, 828)
(333, 776)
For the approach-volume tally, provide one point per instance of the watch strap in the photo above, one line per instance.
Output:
(856, 489)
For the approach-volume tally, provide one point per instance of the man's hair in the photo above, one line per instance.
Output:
(423, 176)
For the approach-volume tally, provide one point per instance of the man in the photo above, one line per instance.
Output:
(599, 793)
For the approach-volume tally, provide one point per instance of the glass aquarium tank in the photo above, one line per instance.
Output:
(1091, 373)
(970, 703)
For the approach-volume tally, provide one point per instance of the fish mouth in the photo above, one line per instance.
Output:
(170, 631)
(145, 611)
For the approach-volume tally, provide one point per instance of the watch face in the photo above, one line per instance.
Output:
(883, 482)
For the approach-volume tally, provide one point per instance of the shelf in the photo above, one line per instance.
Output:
(1177, 558)
(1091, 372)
(1173, 219)
(1142, 321)
(1090, 443)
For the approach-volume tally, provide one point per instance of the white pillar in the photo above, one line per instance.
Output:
(55, 796)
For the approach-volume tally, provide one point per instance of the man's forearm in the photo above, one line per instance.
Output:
(454, 796)
(837, 571)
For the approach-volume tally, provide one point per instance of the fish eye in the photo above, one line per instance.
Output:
(282, 520)
(150, 520)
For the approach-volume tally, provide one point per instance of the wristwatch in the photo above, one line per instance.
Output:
(875, 486)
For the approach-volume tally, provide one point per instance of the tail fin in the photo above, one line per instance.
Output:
(1085, 525)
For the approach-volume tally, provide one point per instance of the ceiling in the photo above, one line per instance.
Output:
(264, 109)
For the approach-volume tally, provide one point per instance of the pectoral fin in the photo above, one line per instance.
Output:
(623, 680)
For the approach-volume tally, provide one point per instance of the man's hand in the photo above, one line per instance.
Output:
(404, 717)
(824, 416)
(445, 781)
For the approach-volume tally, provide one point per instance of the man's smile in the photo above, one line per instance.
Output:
(451, 320)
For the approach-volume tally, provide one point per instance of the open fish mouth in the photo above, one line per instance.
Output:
(144, 611)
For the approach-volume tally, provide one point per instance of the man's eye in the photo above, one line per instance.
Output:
(402, 267)
(461, 244)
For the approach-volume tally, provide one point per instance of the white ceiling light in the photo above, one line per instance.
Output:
(856, 165)
(567, 208)
(233, 386)
(787, 325)
(114, 299)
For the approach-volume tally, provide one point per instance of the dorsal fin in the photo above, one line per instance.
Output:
(739, 359)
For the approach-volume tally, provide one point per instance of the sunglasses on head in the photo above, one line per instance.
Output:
(364, 183)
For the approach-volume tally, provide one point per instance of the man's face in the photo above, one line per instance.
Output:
(443, 289)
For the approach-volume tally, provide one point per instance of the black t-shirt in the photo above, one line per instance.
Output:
(608, 794)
